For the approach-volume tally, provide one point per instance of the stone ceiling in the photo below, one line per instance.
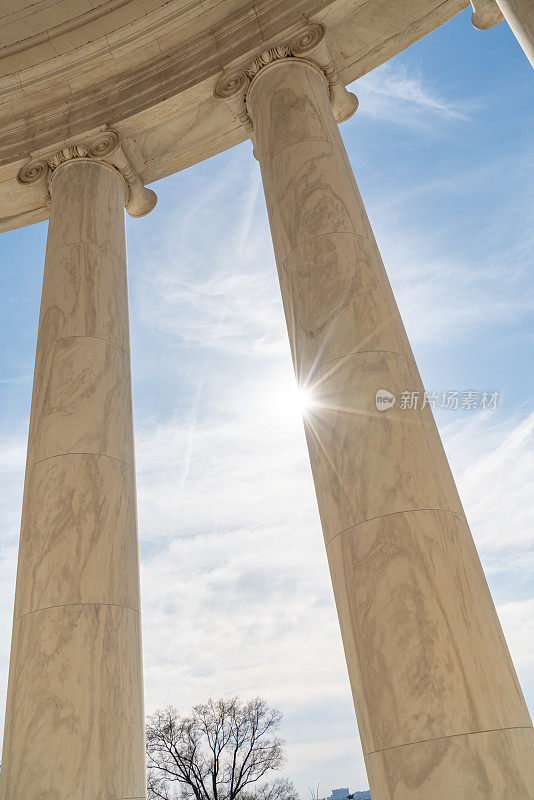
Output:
(147, 69)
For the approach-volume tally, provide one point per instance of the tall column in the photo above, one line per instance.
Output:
(439, 707)
(519, 15)
(74, 726)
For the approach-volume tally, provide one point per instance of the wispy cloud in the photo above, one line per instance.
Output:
(435, 293)
(452, 279)
(206, 276)
(406, 97)
(494, 460)
(237, 595)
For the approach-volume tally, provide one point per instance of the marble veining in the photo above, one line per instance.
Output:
(489, 764)
(81, 401)
(427, 660)
(416, 613)
(78, 535)
(95, 192)
(74, 725)
(77, 689)
(85, 294)
(367, 462)
(338, 302)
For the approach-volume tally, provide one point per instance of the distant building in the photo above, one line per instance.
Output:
(345, 794)
(339, 794)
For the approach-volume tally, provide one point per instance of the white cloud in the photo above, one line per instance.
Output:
(206, 277)
(236, 592)
(12, 461)
(436, 293)
(492, 456)
(235, 571)
(516, 618)
(494, 460)
(453, 280)
(394, 94)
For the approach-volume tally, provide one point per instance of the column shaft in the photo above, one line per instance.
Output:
(519, 14)
(75, 721)
(439, 707)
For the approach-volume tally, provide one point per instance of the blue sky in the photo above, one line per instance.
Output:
(236, 591)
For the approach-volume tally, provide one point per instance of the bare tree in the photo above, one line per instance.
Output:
(314, 792)
(224, 750)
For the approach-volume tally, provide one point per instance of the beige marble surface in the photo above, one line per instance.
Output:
(82, 401)
(486, 14)
(491, 765)
(428, 664)
(78, 534)
(85, 295)
(368, 463)
(95, 192)
(420, 631)
(75, 721)
(322, 297)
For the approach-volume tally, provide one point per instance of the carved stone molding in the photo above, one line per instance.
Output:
(309, 44)
(105, 147)
(486, 14)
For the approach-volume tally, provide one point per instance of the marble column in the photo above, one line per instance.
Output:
(519, 14)
(438, 703)
(74, 726)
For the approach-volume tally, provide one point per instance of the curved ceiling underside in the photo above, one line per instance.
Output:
(147, 68)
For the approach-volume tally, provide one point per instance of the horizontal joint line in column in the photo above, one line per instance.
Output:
(103, 246)
(86, 336)
(70, 605)
(77, 453)
(452, 736)
(351, 234)
(297, 144)
(392, 514)
(363, 353)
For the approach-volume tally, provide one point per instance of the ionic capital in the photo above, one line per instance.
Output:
(310, 45)
(486, 14)
(104, 147)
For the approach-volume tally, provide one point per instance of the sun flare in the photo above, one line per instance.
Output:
(299, 400)
(303, 400)
(291, 401)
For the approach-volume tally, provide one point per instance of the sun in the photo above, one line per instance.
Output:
(303, 399)
(299, 400)
(289, 400)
